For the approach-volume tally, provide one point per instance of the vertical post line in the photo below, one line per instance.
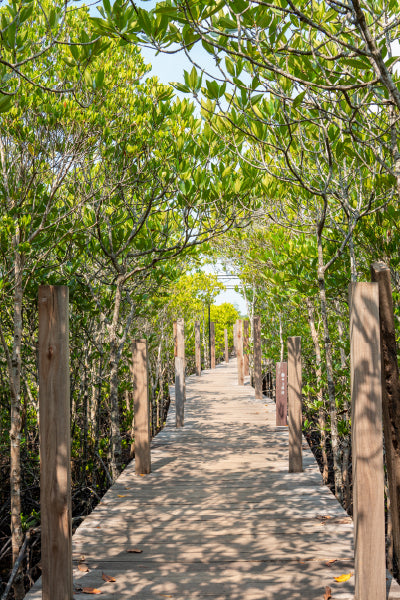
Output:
(246, 361)
(180, 384)
(295, 405)
(239, 351)
(141, 407)
(55, 443)
(367, 446)
(197, 347)
(257, 358)
(281, 394)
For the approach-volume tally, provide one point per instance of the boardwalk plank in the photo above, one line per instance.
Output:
(220, 517)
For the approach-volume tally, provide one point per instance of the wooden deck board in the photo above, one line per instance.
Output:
(219, 517)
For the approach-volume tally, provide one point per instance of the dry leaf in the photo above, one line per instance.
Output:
(330, 562)
(108, 578)
(343, 578)
(328, 593)
(89, 590)
(122, 496)
(83, 567)
(135, 550)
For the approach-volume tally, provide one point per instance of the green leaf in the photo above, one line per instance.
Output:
(5, 103)
(299, 99)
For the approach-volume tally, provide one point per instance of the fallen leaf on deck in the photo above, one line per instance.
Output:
(89, 590)
(344, 577)
(328, 593)
(108, 578)
(122, 496)
(135, 550)
(83, 567)
(330, 562)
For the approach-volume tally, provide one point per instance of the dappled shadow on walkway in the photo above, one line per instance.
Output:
(220, 516)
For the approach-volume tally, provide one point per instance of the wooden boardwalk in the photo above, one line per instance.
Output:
(219, 517)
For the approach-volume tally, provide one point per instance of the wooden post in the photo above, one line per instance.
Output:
(141, 407)
(55, 443)
(246, 361)
(239, 351)
(295, 412)
(226, 346)
(212, 344)
(235, 338)
(390, 399)
(197, 347)
(367, 447)
(281, 391)
(180, 385)
(257, 358)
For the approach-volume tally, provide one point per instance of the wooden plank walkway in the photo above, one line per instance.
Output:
(219, 517)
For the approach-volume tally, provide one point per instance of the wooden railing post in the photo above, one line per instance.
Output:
(235, 338)
(239, 351)
(226, 345)
(367, 447)
(212, 345)
(197, 347)
(281, 391)
(141, 407)
(390, 399)
(246, 361)
(257, 358)
(295, 403)
(180, 384)
(55, 443)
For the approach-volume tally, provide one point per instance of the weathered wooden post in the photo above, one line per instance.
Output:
(55, 443)
(212, 344)
(281, 394)
(197, 347)
(235, 338)
(295, 412)
(367, 447)
(141, 407)
(239, 351)
(257, 358)
(226, 345)
(390, 398)
(180, 385)
(246, 361)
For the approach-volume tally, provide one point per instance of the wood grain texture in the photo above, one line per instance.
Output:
(257, 358)
(390, 399)
(197, 344)
(141, 407)
(226, 345)
(219, 518)
(295, 404)
(281, 394)
(246, 362)
(180, 386)
(239, 351)
(367, 447)
(55, 443)
(212, 345)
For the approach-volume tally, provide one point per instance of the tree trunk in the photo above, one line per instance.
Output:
(116, 442)
(320, 394)
(347, 415)
(15, 430)
(329, 371)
